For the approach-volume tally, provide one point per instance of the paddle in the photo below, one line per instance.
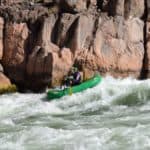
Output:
(70, 90)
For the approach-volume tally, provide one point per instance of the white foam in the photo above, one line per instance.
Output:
(99, 118)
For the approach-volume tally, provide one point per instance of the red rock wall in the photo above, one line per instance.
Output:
(42, 40)
(146, 65)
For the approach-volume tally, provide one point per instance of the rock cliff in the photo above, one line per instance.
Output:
(41, 39)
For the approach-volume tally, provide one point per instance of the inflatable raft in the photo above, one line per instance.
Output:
(55, 93)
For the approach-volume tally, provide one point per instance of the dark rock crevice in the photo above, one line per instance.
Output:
(96, 26)
(112, 7)
(126, 8)
(34, 29)
(54, 35)
(144, 71)
(100, 4)
(71, 33)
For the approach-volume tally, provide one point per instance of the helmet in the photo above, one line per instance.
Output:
(74, 69)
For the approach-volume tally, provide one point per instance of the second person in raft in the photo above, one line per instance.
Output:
(74, 78)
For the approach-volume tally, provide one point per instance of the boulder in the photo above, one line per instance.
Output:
(48, 67)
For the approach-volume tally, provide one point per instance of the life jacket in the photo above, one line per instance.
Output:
(77, 77)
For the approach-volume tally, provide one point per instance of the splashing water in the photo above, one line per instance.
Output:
(115, 115)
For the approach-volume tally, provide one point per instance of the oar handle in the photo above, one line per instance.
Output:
(70, 90)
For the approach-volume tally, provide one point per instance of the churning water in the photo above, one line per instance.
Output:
(115, 115)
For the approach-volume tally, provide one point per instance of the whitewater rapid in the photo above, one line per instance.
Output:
(115, 115)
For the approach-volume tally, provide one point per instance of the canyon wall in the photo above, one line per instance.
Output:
(41, 39)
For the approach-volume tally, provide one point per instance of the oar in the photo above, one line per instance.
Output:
(70, 90)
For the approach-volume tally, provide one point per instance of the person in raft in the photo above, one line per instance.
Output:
(74, 77)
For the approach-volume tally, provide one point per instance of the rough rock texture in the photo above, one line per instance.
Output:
(42, 39)
(111, 51)
(146, 65)
(4, 81)
(1, 37)
(48, 63)
(15, 50)
(75, 5)
(15, 43)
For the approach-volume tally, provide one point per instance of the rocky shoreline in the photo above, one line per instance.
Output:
(41, 39)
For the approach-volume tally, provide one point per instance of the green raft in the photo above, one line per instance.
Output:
(52, 94)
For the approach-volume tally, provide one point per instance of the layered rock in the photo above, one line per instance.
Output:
(15, 50)
(43, 39)
(48, 63)
(115, 44)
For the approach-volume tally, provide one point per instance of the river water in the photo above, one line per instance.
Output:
(115, 115)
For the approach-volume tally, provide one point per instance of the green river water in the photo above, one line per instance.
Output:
(115, 115)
